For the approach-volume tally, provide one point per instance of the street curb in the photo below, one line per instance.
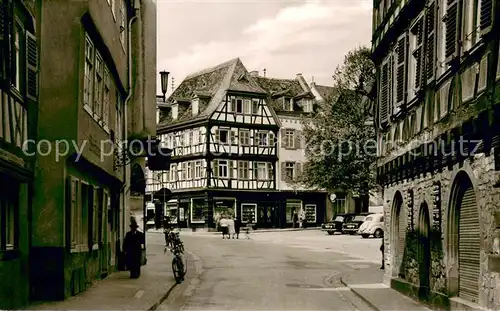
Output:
(198, 271)
(163, 298)
(371, 305)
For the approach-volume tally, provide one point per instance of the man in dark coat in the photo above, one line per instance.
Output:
(132, 246)
(295, 219)
(237, 226)
(383, 257)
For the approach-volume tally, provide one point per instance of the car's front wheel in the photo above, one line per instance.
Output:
(365, 236)
(331, 232)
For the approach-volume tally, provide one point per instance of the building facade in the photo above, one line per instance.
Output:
(438, 71)
(93, 81)
(18, 111)
(292, 100)
(224, 133)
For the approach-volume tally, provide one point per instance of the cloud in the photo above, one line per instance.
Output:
(310, 37)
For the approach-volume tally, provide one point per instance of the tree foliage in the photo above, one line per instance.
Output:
(340, 138)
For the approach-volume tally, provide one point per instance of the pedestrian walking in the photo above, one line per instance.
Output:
(230, 227)
(237, 226)
(383, 257)
(295, 219)
(132, 245)
(223, 226)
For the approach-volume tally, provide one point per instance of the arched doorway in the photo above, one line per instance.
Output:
(398, 233)
(424, 251)
(464, 240)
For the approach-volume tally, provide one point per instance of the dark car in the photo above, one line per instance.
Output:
(336, 224)
(352, 226)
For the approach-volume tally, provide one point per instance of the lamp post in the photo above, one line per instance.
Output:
(164, 83)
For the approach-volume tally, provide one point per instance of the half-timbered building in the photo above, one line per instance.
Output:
(222, 134)
(18, 102)
(292, 100)
(438, 130)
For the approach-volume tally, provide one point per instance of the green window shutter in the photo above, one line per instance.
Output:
(31, 67)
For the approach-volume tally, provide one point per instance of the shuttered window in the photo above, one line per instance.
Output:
(417, 53)
(385, 90)
(400, 72)
(430, 22)
(451, 24)
(74, 211)
(96, 199)
(486, 15)
(31, 66)
(270, 171)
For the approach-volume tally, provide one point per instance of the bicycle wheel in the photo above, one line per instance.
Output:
(181, 266)
(178, 273)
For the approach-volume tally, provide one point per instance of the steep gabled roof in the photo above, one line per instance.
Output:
(211, 84)
(323, 90)
(277, 88)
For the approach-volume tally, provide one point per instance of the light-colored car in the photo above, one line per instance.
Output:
(373, 225)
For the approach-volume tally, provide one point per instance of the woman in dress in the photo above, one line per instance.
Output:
(223, 225)
(230, 227)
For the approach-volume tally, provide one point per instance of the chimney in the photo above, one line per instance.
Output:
(302, 82)
(254, 73)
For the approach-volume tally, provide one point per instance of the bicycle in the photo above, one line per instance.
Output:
(176, 247)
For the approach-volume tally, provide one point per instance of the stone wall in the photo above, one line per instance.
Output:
(480, 170)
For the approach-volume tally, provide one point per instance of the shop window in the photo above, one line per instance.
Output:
(310, 213)
(292, 206)
(197, 210)
(249, 213)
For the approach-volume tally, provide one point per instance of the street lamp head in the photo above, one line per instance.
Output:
(164, 82)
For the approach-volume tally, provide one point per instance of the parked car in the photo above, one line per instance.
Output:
(373, 225)
(353, 225)
(336, 224)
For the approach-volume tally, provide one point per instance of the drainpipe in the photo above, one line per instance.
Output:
(125, 116)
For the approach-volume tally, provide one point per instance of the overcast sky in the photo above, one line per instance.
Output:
(284, 37)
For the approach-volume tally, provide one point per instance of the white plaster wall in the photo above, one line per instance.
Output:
(284, 155)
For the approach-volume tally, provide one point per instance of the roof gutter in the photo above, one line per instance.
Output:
(125, 116)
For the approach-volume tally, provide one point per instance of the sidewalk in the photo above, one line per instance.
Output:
(119, 292)
(366, 284)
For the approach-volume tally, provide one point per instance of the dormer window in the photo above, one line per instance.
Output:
(308, 105)
(195, 106)
(287, 104)
(175, 111)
